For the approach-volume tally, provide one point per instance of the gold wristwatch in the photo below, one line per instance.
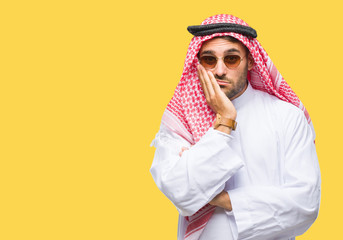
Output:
(220, 120)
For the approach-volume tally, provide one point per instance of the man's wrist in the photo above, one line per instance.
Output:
(222, 200)
(224, 129)
(224, 121)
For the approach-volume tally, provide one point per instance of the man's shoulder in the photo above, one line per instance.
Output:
(277, 105)
(284, 116)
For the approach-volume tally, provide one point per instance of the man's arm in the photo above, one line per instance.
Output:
(216, 98)
(195, 178)
(263, 212)
(287, 210)
(222, 199)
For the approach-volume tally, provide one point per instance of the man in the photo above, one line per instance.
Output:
(235, 152)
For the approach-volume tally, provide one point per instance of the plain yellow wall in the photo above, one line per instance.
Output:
(83, 88)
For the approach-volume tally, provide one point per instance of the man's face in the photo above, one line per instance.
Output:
(232, 82)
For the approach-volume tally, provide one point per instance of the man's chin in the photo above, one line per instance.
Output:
(225, 89)
(227, 92)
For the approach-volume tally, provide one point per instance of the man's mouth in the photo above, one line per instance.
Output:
(223, 82)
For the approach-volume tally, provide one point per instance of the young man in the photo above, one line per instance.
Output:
(235, 152)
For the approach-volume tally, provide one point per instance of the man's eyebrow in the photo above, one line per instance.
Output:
(231, 50)
(207, 52)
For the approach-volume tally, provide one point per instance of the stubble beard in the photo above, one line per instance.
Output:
(238, 87)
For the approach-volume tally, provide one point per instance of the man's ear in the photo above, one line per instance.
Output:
(250, 62)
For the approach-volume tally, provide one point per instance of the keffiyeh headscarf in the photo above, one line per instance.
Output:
(189, 115)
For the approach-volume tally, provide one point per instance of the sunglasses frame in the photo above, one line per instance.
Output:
(222, 58)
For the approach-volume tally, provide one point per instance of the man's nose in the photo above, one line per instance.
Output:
(220, 68)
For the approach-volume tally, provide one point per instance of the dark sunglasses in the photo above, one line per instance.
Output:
(230, 61)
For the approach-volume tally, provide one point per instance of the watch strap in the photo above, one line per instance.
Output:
(228, 122)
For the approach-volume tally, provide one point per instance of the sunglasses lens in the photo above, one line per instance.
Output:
(208, 62)
(232, 61)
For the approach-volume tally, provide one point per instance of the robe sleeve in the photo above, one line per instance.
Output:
(195, 178)
(288, 210)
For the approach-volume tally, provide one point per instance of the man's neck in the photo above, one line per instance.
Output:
(241, 92)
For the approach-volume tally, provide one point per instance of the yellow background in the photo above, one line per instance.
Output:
(83, 88)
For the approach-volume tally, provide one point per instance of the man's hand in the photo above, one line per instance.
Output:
(182, 150)
(215, 97)
(222, 200)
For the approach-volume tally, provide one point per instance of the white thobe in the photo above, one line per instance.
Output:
(268, 166)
